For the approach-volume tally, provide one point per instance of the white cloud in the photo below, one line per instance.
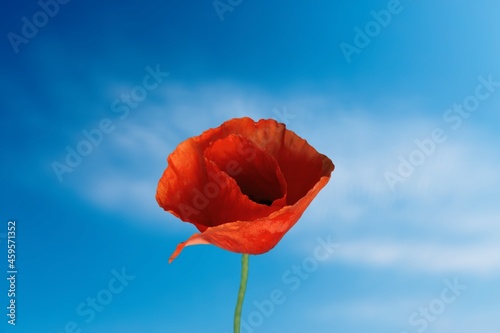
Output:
(394, 313)
(452, 193)
(464, 258)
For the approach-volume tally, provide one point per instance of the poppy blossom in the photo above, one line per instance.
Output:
(243, 185)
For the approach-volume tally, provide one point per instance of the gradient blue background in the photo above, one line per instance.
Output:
(396, 248)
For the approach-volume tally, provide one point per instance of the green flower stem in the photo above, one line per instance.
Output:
(241, 293)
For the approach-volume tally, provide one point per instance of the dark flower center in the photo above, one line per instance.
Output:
(255, 171)
(258, 199)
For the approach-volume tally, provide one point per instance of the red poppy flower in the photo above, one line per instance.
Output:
(243, 184)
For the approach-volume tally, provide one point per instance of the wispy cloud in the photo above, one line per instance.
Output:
(431, 257)
(441, 213)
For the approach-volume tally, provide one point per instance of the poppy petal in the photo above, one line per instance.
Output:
(300, 163)
(178, 186)
(250, 210)
(260, 235)
(256, 172)
(195, 189)
(228, 202)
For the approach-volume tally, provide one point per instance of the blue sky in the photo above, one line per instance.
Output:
(420, 255)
